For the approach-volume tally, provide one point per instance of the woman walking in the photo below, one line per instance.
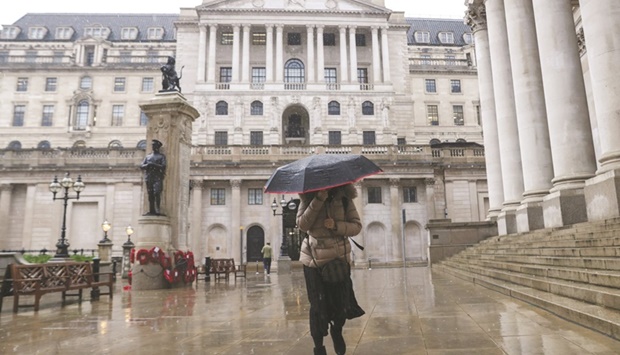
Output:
(329, 217)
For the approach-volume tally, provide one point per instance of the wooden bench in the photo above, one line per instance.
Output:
(224, 267)
(39, 279)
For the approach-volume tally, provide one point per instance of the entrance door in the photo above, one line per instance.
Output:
(255, 242)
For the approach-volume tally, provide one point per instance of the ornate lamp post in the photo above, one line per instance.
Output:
(287, 207)
(106, 227)
(62, 247)
(127, 246)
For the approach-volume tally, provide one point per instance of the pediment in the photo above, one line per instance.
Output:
(293, 5)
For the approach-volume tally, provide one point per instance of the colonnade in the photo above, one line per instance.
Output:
(540, 155)
(315, 53)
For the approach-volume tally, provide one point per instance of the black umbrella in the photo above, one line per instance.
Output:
(321, 171)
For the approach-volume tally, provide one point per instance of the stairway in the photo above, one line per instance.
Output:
(573, 271)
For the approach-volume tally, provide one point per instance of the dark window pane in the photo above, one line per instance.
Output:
(374, 194)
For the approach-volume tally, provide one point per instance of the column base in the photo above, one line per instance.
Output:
(602, 196)
(284, 265)
(530, 217)
(507, 222)
(564, 207)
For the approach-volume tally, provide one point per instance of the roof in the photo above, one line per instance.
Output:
(78, 21)
(434, 27)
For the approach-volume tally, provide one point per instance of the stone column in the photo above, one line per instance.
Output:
(359, 255)
(202, 52)
(431, 212)
(395, 220)
(6, 191)
(235, 53)
(567, 113)
(269, 55)
(311, 59)
(531, 113)
(601, 24)
(385, 55)
(508, 132)
(170, 121)
(343, 55)
(376, 59)
(235, 220)
(320, 54)
(197, 244)
(245, 68)
(353, 54)
(279, 54)
(211, 60)
(476, 19)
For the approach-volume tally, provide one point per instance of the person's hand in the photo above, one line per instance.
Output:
(322, 195)
(329, 223)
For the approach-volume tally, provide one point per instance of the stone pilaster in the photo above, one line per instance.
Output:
(343, 55)
(202, 52)
(211, 60)
(395, 218)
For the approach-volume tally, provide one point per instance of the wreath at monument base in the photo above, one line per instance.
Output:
(178, 268)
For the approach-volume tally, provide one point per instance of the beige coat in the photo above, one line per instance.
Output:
(325, 244)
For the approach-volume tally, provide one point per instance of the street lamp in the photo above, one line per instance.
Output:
(287, 207)
(106, 227)
(62, 247)
(274, 206)
(127, 246)
(129, 232)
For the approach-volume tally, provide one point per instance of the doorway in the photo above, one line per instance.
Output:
(255, 243)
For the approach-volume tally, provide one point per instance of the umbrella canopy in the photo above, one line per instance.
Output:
(321, 171)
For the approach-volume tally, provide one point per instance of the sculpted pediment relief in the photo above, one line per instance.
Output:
(293, 5)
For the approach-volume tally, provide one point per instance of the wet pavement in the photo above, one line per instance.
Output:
(408, 311)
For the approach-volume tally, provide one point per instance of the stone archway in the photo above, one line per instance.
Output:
(295, 125)
(415, 245)
(255, 242)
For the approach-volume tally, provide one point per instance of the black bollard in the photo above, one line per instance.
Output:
(95, 292)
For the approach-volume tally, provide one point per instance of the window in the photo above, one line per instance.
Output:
(360, 40)
(218, 196)
(294, 39)
(36, 32)
(119, 84)
(155, 33)
(425, 59)
(4, 56)
(362, 75)
(446, 37)
(14, 145)
(226, 38)
(457, 113)
(129, 33)
(461, 140)
(368, 108)
(144, 119)
(64, 33)
(256, 137)
(255, 196)
(259, 38)
(125, 56)
(422, 36)
(368, 138)
(22, 84)
(468, 38)
(294, 71)
(409, 195)
(434, 141)
(335, 137)
(259, 74)
(147, 84)
(450, 59)
(48, 115)
(141, 144)
(455, 86)
(478, 115)
(44, 145)
(374, 194)
(96, 32)
(329, 39)
(221, 138)
(118, 112)
(431, 86)
(9, 32)
(225, 74)
(401, 141)
(89, 56)
(19, 111)
(86, 83)
(256, 108)
(333, 108)
(81, 115)
(432, 114)
(221, 108)
(50, 84)
(115, 144)
(331, 75)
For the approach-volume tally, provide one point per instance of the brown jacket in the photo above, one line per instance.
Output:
(322, 243)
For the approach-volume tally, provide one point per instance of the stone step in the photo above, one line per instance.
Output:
(567, 252)
(565, 261)
(594, 316)
(603, 296)
(578, 241)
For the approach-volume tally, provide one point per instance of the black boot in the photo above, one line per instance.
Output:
(339, 345)
(320, 351)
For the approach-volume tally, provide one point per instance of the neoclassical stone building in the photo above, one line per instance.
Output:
(549, 109)
(273, 81)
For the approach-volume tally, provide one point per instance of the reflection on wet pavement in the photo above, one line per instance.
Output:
(408, 311)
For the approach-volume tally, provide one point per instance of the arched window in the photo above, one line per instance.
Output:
(256, 108)
(435, 141)
(14, 145)
(44, 145)
(294, 71)
(368, 108)
(79, 144)
(221, 108)
(461, 140)
(81, 115)
(333, 108)
(86, 82)
(141, 144)
(115, 144)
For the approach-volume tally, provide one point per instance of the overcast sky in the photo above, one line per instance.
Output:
(12, 11)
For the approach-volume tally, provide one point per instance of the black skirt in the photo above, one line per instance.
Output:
(330, 303)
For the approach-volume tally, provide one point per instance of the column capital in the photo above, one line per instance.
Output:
(352, 27)
(6, 187)
(235, 183)
(269, 26)
(429, 182)
(394, 182)
(343, 28)
(213, 26)
(320, 27)
(279, 27)
(246, 28)
(202, 26)
(196, 184)
(374, 28)
(476, 17)
(310, 28)
(236, 26)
